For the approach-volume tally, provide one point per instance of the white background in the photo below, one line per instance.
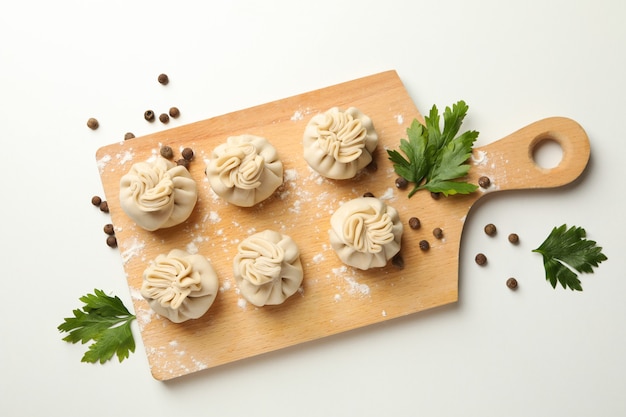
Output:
(533, 352)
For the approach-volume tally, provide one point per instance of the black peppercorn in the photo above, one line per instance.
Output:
(108, 229)
(414, 223)
(95, 200)
(401, 183)
(128, 135)
(481, 259)
(437, 232)
(112, 241)
(484, 182)
(148, 115)
(490, 229)
(92, 123)
(435, 196)
(511, 283)
(398, 261)
(166, 152)
(187, 153)
(368, 194)
(174, 112)
(183, 162)
(513, 238)
(164, 118)
(104, 207)
(163, 79)
(424, 245)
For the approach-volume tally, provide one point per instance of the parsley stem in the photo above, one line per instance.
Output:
(414, 190)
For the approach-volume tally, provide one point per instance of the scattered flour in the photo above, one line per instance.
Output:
(479, 158)
(290, 175)
(388, 195)
(102, 162)
(214, 217)
(126, 157)
(297, 115)
(144, 317)
(296, 207)
(354, 288)
(399, 118)
(135, 293)
(340, 271)
(226, 285)
(318, 258)
(242, 303)
(199, 365)
(135, 249)
(192, 248)
(323, 196)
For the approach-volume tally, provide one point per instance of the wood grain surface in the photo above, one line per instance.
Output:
(333, 298)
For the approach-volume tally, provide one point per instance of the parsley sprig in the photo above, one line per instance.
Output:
(435, 159)
(567, 251)
(105, 321)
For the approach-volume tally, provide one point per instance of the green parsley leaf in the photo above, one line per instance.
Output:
(567, 251)
(436, 158)
(105, 321)
(415, 167)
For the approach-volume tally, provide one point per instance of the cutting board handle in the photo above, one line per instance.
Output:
(510, 164)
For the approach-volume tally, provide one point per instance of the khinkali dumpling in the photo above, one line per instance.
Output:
(158, 194)
(337, 144)
(365, 232)
(245, 170)
(267, 268)
(180, 286)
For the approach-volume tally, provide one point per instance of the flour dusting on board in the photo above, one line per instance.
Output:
(301, 207)
(388, 195)
(479, 158)
(214, 217)
(174, 360)
(192, 248)
(318, 258)
(135, 249)
(125, 157)
(299, 114)
(102, 162)
(354, 288)
(226, 285)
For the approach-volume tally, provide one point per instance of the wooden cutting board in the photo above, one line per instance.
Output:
(333, 298)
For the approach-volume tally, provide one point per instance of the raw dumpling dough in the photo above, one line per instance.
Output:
(267, 268)
(245, 170)
(158, 194)
(365, 232)
(180, 286)
(338, 144)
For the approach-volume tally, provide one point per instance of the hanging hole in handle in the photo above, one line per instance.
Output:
(547, 152)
